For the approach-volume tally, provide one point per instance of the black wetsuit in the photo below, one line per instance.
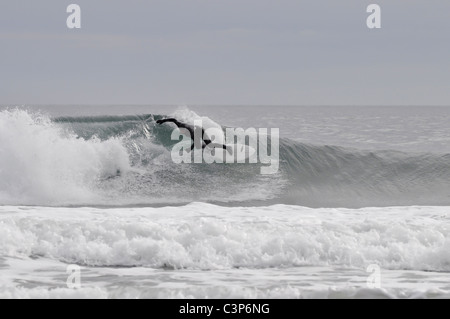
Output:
(192, 129)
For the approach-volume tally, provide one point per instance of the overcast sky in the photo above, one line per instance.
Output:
(191, 52)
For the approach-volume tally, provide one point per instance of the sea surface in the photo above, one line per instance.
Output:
(359, 208)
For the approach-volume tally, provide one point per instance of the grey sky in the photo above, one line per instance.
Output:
(225, 52)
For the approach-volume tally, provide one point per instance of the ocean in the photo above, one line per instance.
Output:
(90, 196)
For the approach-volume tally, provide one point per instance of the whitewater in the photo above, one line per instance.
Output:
(96, 187)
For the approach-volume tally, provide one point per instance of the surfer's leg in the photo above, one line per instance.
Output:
(205, 143)
(227, 148)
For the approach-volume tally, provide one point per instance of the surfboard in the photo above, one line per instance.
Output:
(240, 153)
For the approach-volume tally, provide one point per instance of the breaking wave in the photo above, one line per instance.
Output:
(125, 160)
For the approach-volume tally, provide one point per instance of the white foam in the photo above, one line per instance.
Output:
(186, 115)
(43, 278)
(42, 164)
(57, 293)
(200, 236)
(218, 252)
(219, 293)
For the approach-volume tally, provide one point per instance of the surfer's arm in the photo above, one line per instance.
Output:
(188, 127)
(175, 121)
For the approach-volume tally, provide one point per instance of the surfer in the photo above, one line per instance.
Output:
(202, 139)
